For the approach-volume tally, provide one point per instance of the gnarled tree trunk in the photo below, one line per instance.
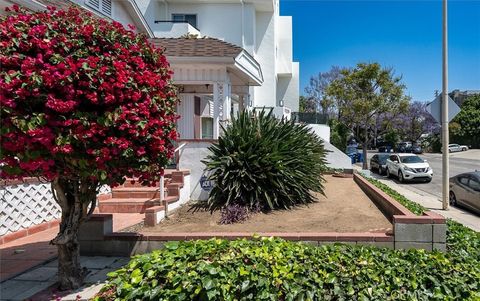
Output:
(74, 197)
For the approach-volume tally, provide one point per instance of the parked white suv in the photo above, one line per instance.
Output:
(408, 167)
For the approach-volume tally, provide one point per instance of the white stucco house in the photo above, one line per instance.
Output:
(226, 55)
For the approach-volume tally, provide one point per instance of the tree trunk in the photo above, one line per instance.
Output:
(70, 273)
(74, 197)
(364, 151)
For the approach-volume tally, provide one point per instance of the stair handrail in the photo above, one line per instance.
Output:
(162, 178)
(178, 157)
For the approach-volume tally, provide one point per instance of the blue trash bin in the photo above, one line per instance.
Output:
(352, 157)
(360, 157)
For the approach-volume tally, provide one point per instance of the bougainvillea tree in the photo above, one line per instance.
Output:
(84, 102)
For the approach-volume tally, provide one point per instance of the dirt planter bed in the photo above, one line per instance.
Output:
(354, 211)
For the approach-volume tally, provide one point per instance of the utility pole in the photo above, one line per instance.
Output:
(445, 153)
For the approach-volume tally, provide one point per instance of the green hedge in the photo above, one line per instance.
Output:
(412, 206)
(274, 269)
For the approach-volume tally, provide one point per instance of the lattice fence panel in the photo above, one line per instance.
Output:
(105, 189)
(26, 205)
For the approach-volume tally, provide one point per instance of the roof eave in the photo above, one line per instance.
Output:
(139, 16)
(245, 62)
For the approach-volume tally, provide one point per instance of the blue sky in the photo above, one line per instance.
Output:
(405, 35)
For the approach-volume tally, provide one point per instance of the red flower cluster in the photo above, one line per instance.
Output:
(76, 104)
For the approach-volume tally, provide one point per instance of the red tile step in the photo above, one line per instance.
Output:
(131, 205)
(135, 192)
(135, 198)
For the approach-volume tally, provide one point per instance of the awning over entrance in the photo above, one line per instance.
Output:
(202, 52)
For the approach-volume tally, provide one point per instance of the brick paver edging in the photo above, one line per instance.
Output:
(395, 211)
(29, 231)
(427, 231)
(298, 236)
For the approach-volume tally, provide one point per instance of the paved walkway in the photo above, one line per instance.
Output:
(432, 203)
(24, 253)
(27, 253)
(38, 284)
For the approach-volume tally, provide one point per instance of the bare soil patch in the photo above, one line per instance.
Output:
(345, 208)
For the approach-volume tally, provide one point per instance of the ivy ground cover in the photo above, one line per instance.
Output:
(274, 269)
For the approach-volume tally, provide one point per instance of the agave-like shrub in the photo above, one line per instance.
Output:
(261, 162)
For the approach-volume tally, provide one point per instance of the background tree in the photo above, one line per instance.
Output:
(368, 93)
(317, 90)
(465, 127)
(84, 103)
(415, 122)
(307, 105)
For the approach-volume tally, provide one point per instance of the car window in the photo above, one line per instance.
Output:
(411, 159)
(382, 159)
(474, 185)
(463, 180)
(393, 158)
(374, 158)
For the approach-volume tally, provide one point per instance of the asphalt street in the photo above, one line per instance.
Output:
(460, 162)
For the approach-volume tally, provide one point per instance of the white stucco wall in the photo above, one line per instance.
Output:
(321, 130)
(121, 14)
(190, 158)
(284, 44)
(265, 95)
(288, 88)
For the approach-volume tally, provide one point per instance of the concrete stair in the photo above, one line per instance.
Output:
(135, 198)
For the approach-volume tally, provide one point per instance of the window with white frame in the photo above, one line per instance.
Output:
(187, 18)
(103, 6)
(207, 128)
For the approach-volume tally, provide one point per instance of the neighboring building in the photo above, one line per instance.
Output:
(459, 96)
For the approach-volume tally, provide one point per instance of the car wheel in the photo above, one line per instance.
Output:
(463, 149)
(453, 199)
(428, 181)
(400, 177)
(381, 171)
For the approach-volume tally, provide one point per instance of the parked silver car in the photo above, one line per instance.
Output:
(457, 148)
(465, 190)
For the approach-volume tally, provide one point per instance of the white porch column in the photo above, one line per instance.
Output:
(218, 93)
(227, 104)
(241, 102)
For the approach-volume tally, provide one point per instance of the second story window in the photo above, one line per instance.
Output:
(190, 19)
(103, 6)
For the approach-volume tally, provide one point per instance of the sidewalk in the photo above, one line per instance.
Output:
(432, 203)
(22, 261)
(38, 284)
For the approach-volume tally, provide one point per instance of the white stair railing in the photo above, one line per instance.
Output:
(162, 179)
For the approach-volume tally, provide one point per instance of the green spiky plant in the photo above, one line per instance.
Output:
(261, 162)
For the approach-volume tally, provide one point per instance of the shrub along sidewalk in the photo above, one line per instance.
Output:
(274, 269)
